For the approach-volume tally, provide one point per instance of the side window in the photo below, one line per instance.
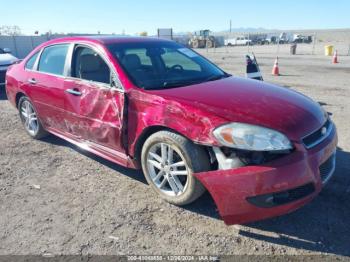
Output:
(52, 59)
(31, 61)
(141, 53)
(172, 58)
(89, 65)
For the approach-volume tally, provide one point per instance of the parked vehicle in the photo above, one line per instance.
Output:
(259, 40)
(244, 40)
(271, 40)
(6, 59)
(260, 150)
(202, 39)
(284, 38)
(297, 38)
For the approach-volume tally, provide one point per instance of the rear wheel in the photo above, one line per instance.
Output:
(30, 119)
(168, 162)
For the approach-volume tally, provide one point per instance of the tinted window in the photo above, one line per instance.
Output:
(89, 65)
(161, 65)
(52, 59)
(141, 53)
(30, 63)
(173, 59)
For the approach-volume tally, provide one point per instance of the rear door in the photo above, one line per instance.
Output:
(94, 109)
(45, 84)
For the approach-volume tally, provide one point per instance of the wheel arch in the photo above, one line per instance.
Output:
(18, 97)
(146, 133)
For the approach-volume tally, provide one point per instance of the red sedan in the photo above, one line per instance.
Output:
(259, 149)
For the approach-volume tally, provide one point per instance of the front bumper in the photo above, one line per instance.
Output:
(233, 190)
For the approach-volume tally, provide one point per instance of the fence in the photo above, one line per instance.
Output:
(22, 45)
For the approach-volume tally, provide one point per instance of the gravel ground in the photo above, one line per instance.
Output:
(55, 198)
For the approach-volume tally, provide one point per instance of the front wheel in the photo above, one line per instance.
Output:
(30, 119)
(209, 44)
(168, 162)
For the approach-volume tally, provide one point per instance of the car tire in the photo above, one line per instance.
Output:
(30, 121)
(183, 150)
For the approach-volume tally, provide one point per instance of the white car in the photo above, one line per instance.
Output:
(238, 41)
(6, 59)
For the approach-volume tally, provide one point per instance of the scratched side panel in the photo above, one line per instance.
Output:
(147, 109)
(96, 115)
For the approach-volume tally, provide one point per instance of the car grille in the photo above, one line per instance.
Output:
(2, 77)
(318, 136)
(327, 169)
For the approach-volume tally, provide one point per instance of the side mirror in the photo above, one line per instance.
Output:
(7, 50)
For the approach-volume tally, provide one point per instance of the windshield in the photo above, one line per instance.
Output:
(161, 65)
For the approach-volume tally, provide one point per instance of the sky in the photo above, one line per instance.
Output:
(135, 16)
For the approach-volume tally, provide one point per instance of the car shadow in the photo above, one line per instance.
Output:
(321, 226)
(205, 205)
(3, 95)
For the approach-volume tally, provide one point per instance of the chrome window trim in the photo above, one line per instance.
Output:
(98, 84)
(38, 53)
(65, 62)
(66, 71)
(105, 59)
(329, 130)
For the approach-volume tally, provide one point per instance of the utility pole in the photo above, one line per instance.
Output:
(314, 43)
(230, 26)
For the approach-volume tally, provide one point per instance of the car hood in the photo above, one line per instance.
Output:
(7, 59)
(254, 102)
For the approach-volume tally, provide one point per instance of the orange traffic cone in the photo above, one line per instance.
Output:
(335, 57)
(275, 70)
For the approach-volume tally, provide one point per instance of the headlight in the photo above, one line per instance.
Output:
(250, 137)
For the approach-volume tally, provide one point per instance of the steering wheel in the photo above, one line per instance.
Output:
(177, 66)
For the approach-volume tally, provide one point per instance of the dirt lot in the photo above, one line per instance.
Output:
(86, 205)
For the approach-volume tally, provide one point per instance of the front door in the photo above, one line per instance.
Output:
(94, 110)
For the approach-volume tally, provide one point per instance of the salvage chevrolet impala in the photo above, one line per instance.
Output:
(259, 149)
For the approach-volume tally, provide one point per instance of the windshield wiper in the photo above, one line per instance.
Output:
(216, 77)
(179, 84)
(173, 84)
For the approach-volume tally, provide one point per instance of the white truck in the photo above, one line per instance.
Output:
(242, 40)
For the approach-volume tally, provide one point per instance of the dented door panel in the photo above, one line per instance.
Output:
(96, 115)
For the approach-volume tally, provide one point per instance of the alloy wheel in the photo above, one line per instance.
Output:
(167, 169)
(29, 118)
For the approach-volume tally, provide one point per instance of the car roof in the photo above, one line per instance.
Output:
(108, 39)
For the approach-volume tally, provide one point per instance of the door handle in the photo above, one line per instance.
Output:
(32, 81)
(74, 92)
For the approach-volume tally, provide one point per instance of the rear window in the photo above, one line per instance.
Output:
(52, 59)
(31, 61)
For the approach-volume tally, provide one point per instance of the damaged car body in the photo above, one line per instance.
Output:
(259, 149)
